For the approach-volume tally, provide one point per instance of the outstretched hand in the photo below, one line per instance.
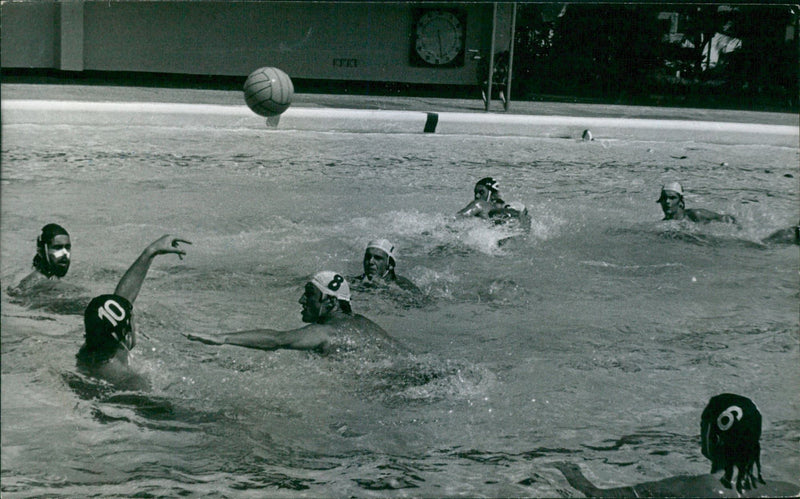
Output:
(168, 244)
(203, 339)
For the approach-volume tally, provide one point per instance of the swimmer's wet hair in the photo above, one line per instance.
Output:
(730, 431)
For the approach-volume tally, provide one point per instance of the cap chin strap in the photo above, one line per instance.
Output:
(47, 254)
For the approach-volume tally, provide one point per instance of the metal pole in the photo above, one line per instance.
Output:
(511, 55)
(491, 57)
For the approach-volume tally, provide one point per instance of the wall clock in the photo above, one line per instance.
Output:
(439, 38)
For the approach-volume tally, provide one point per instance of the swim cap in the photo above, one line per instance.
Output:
(488, 182)
(50, 231)
(730, 431)
(383, 245)
(107, 316)
(674, 187)
(331, 283)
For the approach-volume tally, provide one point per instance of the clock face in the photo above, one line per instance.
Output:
(439, 37)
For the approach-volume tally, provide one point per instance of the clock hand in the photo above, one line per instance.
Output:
(439, 36)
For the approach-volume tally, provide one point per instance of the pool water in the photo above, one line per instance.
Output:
(597, 337)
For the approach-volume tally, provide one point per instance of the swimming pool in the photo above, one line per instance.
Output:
(596, 338)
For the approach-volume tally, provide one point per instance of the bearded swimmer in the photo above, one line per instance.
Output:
(674, 208)
(110, 332)
(332, 325)
(379, 267)
(52, 259)
(730, 429)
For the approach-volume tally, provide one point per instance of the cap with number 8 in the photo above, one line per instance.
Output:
(331, 283)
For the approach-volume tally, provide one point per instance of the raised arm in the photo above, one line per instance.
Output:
(131, 282)
(310, 337)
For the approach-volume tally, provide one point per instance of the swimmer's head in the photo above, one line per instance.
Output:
(730, 429)
(323, 292)
(671, 187)
(108, 323)
(379, 258)
(486, 188)
(53, 248)
(671, 199)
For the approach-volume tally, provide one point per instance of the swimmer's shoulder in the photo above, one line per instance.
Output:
(783, 236)
(27, 283)
(710, 486)
(114, 370)
(406, 284)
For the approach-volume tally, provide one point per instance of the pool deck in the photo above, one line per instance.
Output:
(391, 103)
(399, 114)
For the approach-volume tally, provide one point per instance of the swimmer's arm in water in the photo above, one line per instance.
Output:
(131, 282)
(676, 486)
(310, 337)
(476, 208)
(703, 215)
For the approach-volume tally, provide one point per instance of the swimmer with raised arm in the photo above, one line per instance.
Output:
(110, 332)
(488, 204)
(730, 429)
(379, 267)
(674, 207)
(332, 325)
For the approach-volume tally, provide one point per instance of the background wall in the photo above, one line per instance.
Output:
(339, 41)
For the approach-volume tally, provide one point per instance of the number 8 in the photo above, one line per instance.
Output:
(112, 312)
(336, 282)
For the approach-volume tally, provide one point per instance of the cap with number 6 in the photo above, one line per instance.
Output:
(331, 283)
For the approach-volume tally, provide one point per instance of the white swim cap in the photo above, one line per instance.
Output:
(331, 283)
(383, 245)
(673, 186)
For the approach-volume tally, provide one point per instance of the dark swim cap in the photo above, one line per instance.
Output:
(107, 318)
(730, 428)
(488, 182)
(50, 231)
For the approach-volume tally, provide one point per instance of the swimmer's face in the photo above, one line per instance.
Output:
(376, 262)
(58, 254)
(670, 202)
(313, 304)
(482, 192)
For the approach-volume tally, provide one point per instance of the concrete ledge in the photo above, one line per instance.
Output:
(17, 111)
